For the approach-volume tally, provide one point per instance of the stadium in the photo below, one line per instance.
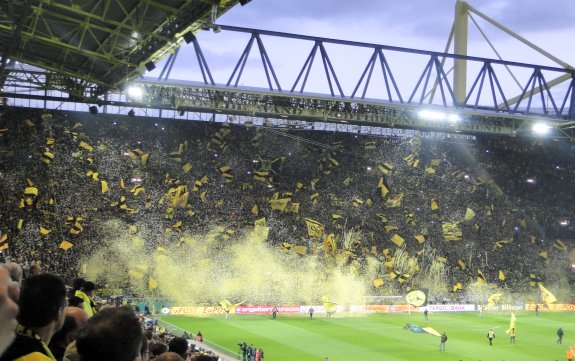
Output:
(335, 225)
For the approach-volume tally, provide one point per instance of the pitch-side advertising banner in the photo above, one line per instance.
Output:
(247, 310)
(448, 308)
(552, 307)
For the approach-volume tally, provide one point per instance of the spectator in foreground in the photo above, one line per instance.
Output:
(179, 345)
(157, 348)
(42, 303)
(76, 318)
(8, 310)
(170, 356)
(63, 338)
(112, 334)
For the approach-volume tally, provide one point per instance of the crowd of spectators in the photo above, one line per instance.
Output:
(37, 322)
(65, 174)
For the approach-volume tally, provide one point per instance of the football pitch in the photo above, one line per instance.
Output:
(383, 337)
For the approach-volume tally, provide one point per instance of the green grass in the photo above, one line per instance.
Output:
(382, 337)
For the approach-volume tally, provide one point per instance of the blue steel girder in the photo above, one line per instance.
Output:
(537, 78)
(266, 63)
(433, 64)
(487, 69)
(492, 89)
(327, 66)
(378, 54)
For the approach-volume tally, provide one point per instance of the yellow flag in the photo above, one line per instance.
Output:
(481, 277)
(501, 276)
(44, 231)
(385, 168)
(152, 284)
(544, 254)
(31, 191)
(511, 323)
(398, 240)
(434, 205)
(469, 214)
(279, 204)
(260, 222)
(104, 186)
(451, 231)
(383, 187)
(546, 296)
(65, 245)
(86, 146)
(395, 201)
(493, 299)
(255, 210)
(390, 228)
(314, 228)
(420, 238)
(560, 245)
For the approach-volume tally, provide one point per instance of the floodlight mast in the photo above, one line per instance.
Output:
(460, 47)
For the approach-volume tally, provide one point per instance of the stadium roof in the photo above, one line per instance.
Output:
(106, 42)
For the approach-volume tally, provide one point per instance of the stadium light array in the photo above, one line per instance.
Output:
(135, 92)
(541, 128)
(435, 115)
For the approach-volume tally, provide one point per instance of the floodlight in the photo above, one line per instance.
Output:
(453, 118)
(432, 115)
(93, 109)
(541, 128)
(244, 2)
(135, 92)
(131, 113)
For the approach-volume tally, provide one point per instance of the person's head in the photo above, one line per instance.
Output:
(42, 302)
(78, 283)
(15, 271)
(205, 357)
(35, 269)
(157, 348)
(170, 356)
(112, 334)
(178, 345)
(79, 315)
(75, 301)
(89, 288)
